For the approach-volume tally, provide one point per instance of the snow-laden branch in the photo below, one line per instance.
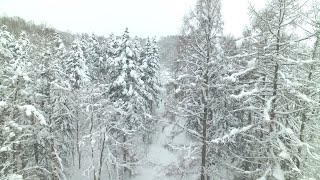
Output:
(288, 82)
(298, 62)
(244, 93)
(231, 134)
(3, 104)
(303, 97)
(191, 132)
(267, 109)
(234, 76)
(29, 110)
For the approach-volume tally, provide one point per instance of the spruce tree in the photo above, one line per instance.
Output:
(126, 92)
(77, 74)
(150, 69)
(24, 127)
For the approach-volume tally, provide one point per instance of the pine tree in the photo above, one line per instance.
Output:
(94, 56)
(76, 67)
(126, 93)
(150, 68)
(77, 73)
(53, 91)
(25, 129)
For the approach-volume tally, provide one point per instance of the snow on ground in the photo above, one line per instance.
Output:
(157, 156)
(15, 177)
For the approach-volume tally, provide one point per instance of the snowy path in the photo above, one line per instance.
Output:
(158, 157)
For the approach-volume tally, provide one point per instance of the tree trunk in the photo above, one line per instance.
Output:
(91, 138)
(77, 140)
(125, 155)
(204, 144)
(205, 115)
(36, 152)
(101, 156)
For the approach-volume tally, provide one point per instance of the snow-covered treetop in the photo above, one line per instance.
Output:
(76, 67)
(59, 49)
(125, 36)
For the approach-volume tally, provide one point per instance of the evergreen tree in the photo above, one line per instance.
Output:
(53, 91)
(94, 56)
(126, 92)
(150, 68)
(24, 128)
(75, 65)
(77, 73)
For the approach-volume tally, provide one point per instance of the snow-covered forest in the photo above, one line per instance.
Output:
(199, 105)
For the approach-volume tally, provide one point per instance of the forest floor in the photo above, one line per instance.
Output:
(158, 157)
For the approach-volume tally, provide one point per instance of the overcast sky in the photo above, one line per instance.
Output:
(142, 17)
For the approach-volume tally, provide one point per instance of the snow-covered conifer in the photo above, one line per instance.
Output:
(24, 127)
(150, 69)
(126, 92)
(76, 67)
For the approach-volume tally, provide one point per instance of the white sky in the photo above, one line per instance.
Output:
(142, 17)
